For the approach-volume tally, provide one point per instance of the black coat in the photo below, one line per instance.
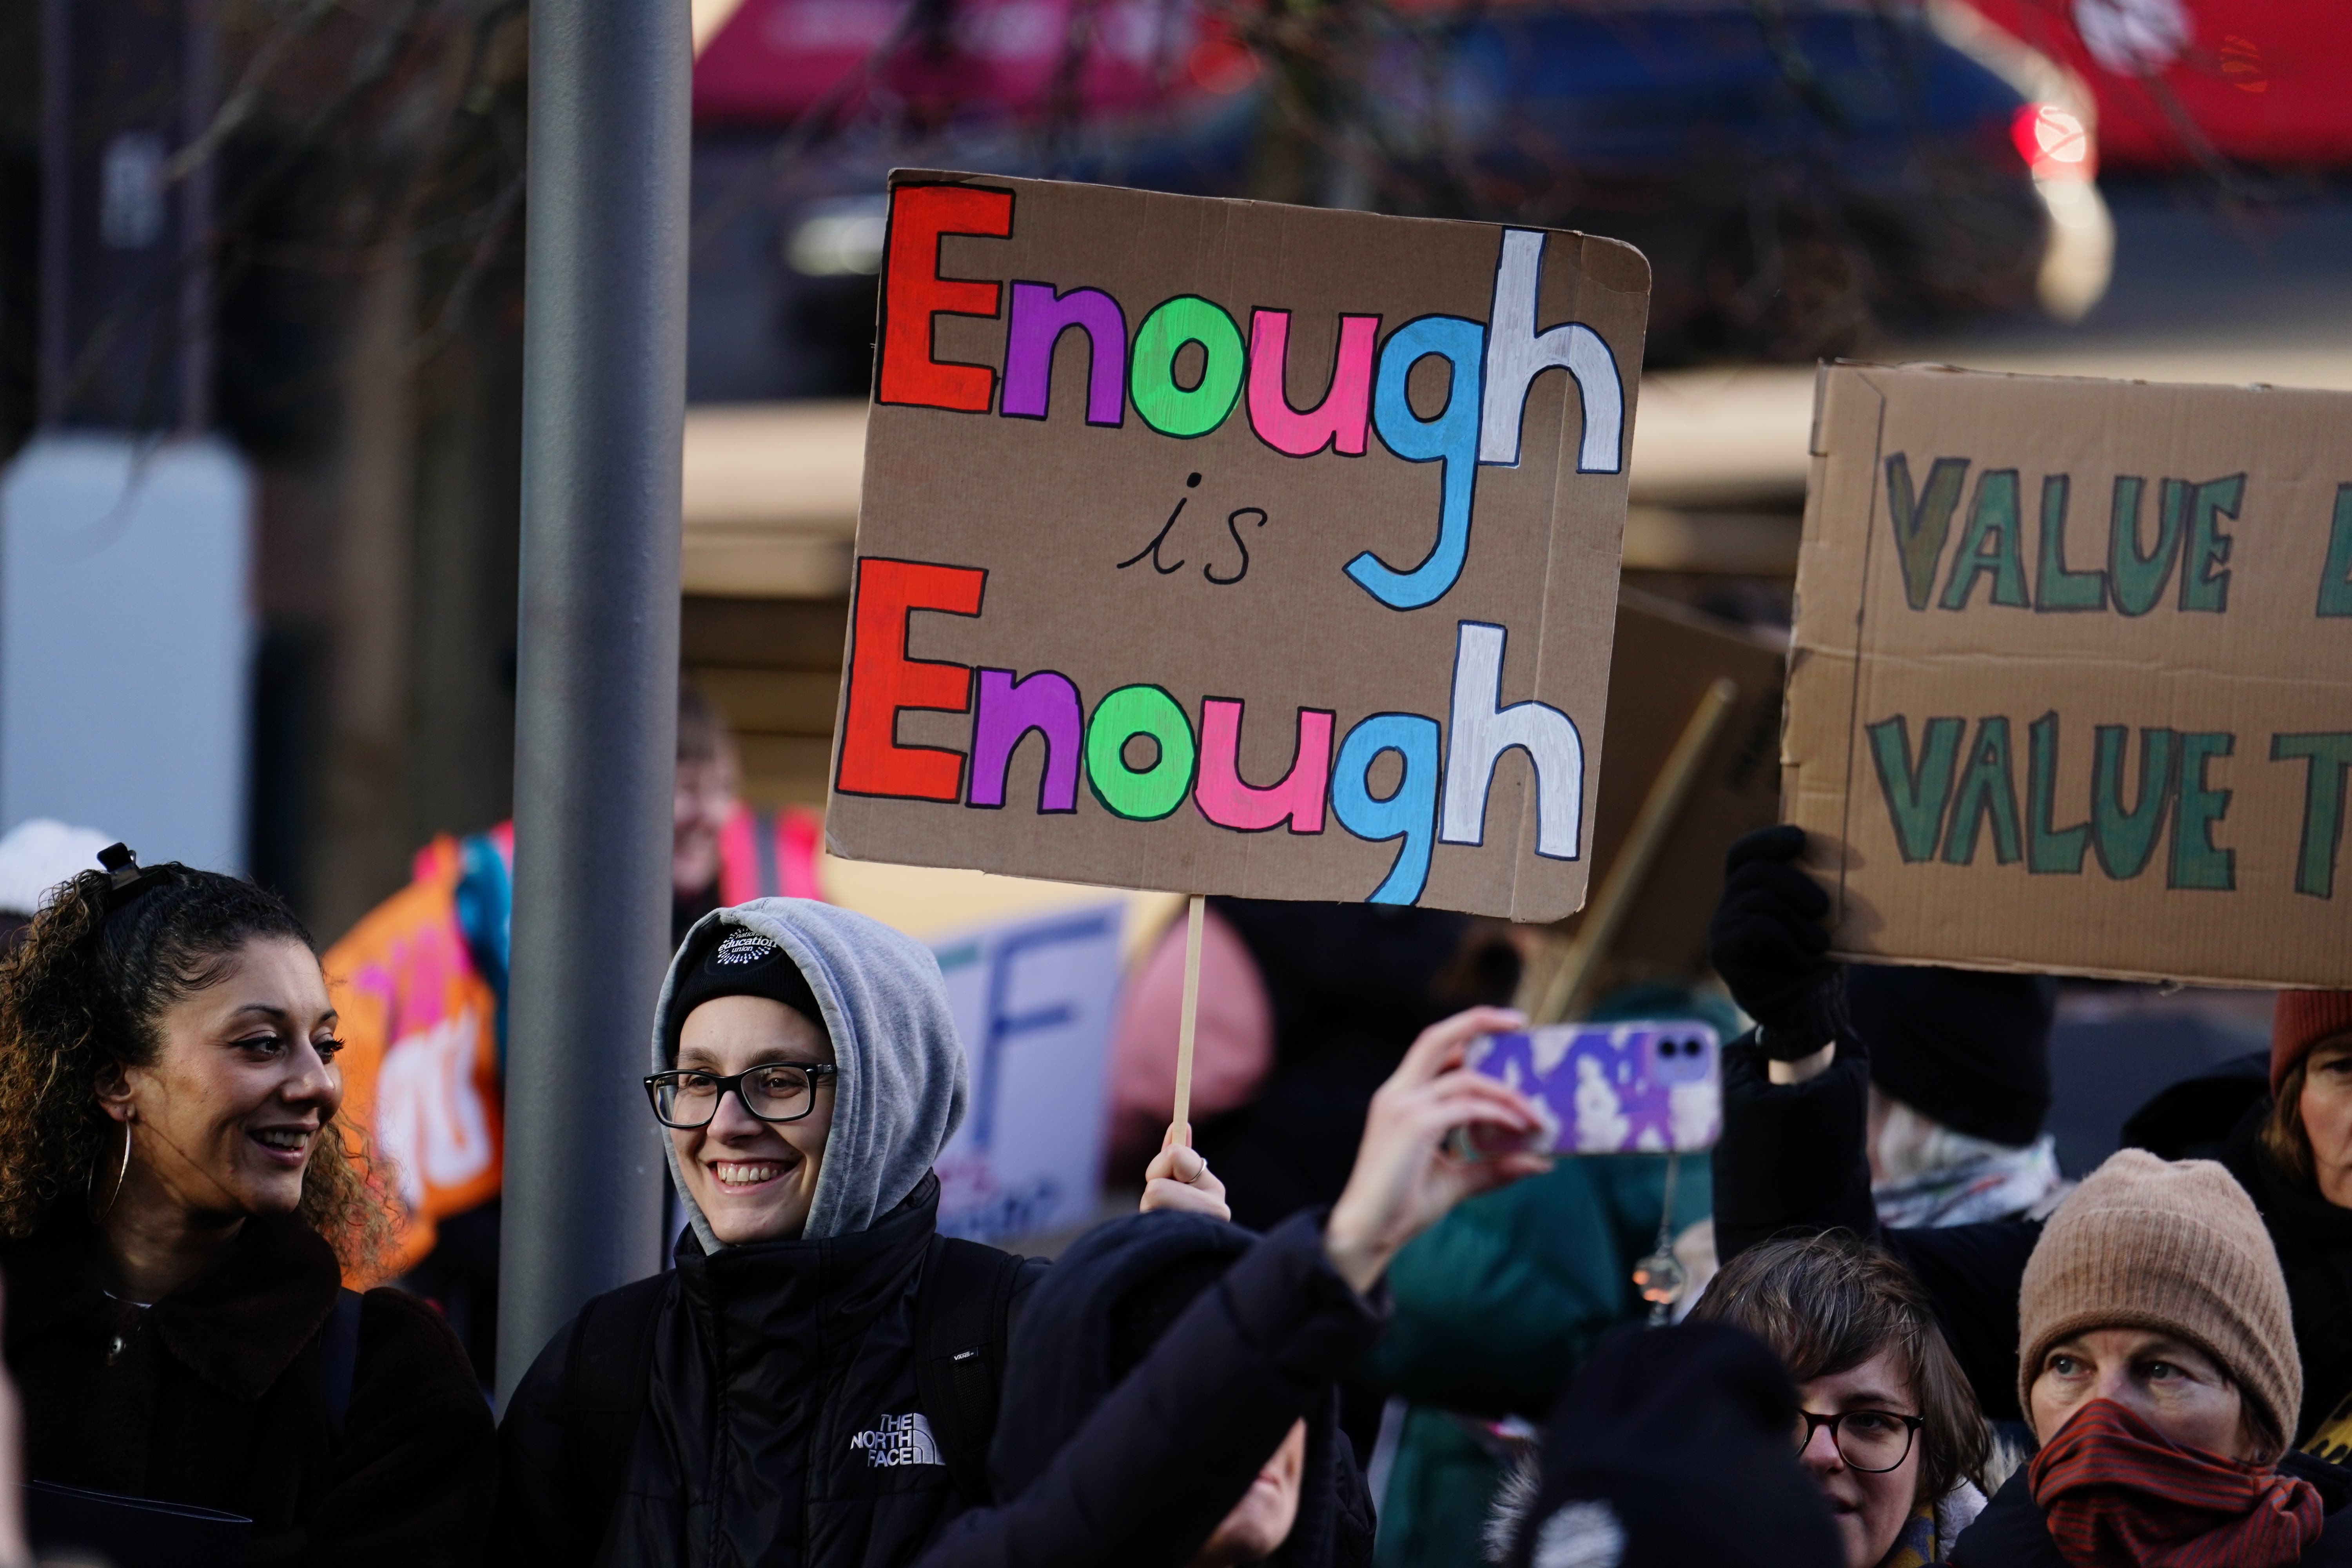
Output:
(782, 1376)
(1792, 1158)
(1138, 1475)
(216, 1397)
(2010, 1533)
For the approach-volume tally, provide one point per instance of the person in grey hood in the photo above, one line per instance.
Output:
(815, 1383)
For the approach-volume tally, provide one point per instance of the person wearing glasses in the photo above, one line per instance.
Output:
(1886, 1425)
(816, 1382)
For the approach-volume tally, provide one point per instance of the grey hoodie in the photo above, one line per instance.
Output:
(901, 1095)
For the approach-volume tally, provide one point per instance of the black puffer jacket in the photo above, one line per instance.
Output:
(1792, 1158)
(216, 1396)
(1138, 1473)
(776, 1430)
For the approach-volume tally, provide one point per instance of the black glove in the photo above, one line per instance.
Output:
(1767, 941)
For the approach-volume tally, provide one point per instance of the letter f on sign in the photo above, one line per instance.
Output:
(1517, 353)
(1480, 730)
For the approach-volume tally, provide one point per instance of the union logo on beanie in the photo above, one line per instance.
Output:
(743, 949)
(736, 961)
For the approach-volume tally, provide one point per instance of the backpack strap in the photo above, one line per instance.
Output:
(340, 1350)
(606, 1372)
(963, 1308)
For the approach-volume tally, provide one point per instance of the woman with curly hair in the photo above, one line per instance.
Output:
(180, 1208)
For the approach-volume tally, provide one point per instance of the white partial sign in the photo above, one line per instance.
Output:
(1033, 1003)
(126, 642)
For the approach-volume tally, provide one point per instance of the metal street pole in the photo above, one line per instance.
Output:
(595, 731)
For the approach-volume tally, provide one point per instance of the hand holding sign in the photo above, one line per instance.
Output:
(1178, 1178)
(1768, 943)
(1385, 682)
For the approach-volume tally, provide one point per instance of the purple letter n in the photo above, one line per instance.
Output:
(1040, 317)
(1008, 710)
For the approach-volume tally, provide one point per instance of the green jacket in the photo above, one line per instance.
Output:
(1493, 1308)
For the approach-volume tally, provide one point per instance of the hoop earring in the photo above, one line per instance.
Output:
(121, 1172)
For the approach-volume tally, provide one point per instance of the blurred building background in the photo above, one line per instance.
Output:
(285, 236)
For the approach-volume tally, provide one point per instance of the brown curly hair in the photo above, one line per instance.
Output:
(81, 994)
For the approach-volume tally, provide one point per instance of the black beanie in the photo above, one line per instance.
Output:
(1964, 1049)
(734, 961)
(1676, 1447)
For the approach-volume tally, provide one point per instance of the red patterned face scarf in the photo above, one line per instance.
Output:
(2117, 1494)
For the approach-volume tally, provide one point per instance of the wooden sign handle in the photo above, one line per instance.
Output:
(1181, 1129)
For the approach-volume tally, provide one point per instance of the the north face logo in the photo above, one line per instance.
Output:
(899, 1440)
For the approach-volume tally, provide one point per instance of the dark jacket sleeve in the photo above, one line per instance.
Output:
(537, 1520)
(1791, 1156)
(417, 1476)
(1163, 1460)
(1032, 1270)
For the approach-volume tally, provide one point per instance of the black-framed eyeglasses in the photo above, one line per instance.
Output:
(773, 1092)
(1871, 1441)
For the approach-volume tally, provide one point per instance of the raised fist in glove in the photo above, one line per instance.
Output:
(1769, 944)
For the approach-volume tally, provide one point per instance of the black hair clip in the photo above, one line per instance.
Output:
(126, 877)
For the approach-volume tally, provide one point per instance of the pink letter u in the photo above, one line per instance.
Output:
(1226, 801)
(1338, 420)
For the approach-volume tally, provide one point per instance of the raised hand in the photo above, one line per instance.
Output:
(1403, 1181)
(1768, 943)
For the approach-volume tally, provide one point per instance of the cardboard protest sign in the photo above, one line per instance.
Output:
(1224, 547)
(1033, 1002)
(2072, 679)
(1666, 656)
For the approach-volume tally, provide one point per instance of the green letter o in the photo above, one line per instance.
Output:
(1129, 711)
(1151, 372)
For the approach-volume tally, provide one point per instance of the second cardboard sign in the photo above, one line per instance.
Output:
(2073, 681)
(1223, 547)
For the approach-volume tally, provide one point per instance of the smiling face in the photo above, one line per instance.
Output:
(1868, 1508)
(224, 1121)
(1261, 1521)
(753, 1180)
(2174, 1387)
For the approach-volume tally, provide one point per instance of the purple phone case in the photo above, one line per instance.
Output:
(1644, 1086)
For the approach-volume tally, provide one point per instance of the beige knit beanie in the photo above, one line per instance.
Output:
(2171, 1246)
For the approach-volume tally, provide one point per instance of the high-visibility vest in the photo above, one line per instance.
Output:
(420, 984)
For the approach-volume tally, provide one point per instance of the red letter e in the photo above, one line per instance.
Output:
(913, 292)
(883, 679)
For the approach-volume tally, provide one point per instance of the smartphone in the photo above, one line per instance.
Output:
(1644, 1086)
